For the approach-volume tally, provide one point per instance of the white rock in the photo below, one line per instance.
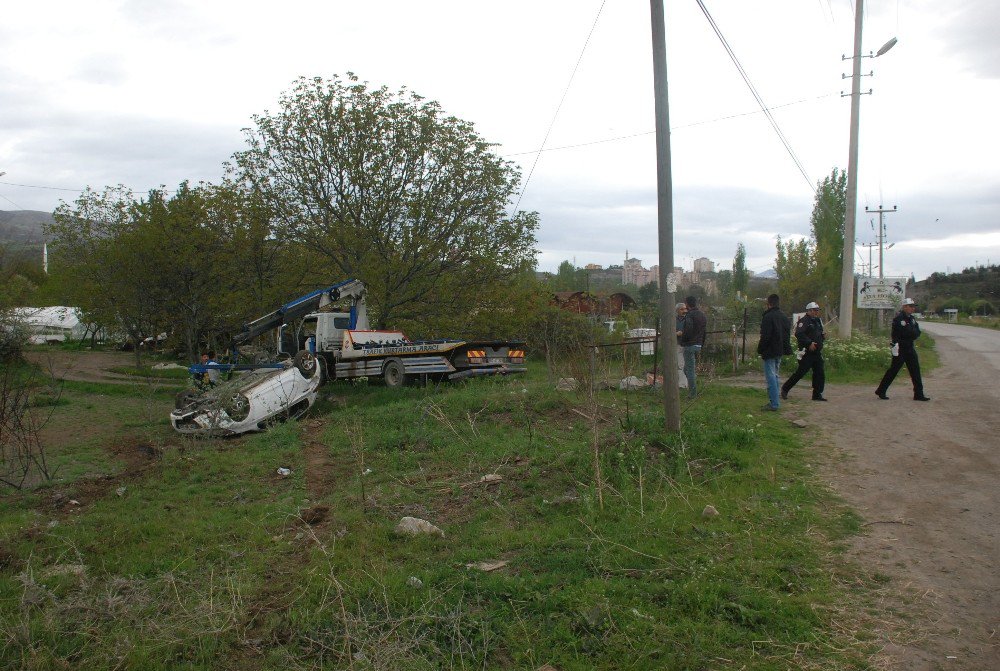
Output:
(709, 511)
(414, 526)
(566, 384)
(632, 382)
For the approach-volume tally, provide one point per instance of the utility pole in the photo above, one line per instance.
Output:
(870, 268)
(850, 213)
(665, 219)
(881, 233)
(847, 272)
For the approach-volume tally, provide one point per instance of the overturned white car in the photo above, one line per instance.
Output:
(252, 400)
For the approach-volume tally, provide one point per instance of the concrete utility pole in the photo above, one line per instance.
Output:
(850, 213)
(665, 219)
(847, 272)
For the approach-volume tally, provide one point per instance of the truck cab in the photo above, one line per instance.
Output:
(322, 333)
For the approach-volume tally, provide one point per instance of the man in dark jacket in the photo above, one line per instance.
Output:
(775, 332)
(810, 336)
(691, 339)
(905, 331)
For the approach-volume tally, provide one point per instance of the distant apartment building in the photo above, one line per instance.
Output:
(634, 273)
(703, 265)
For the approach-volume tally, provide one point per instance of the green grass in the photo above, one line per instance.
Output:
(199, 558)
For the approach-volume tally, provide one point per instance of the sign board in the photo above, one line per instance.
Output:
(881, 293)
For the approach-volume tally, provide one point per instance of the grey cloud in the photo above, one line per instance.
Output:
(101, 69)
(73, 152)
(969, 31)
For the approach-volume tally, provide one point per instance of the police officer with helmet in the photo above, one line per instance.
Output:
(905, 331)
(810, 336)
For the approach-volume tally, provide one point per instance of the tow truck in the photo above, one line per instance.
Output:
(316, 343)
(346, 347)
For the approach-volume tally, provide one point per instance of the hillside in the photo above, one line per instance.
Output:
(959, 290)
(23, 226)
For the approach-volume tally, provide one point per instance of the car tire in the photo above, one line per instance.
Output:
(306, 363)
(394, 374)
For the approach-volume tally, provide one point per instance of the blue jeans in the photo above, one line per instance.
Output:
(771, 375)
(690, 356)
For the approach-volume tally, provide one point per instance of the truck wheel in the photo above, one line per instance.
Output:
(305, 362)
(393, 374)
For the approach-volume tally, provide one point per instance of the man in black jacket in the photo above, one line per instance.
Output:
(691, 339)
(775, 331)
(905, 331)
(810, 336)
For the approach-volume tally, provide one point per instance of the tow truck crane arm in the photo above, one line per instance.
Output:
(311, 302)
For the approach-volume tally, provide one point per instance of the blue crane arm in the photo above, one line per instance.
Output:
(299, 307)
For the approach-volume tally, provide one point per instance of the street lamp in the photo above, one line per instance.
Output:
(847, 274)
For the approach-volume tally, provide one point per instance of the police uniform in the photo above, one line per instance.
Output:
(808, 330)
(905, 331)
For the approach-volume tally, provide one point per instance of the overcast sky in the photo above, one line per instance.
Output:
(147, 93)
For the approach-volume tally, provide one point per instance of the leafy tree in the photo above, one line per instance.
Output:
(569, 278)
(104, 265)
(724, 284)
(741, 276)
(827, 226)
(648, 295)
(794, 267)
(810, 270)
(390, 190)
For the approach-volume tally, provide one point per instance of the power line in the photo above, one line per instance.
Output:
(756, 95)
(559, 106)
(620, 138)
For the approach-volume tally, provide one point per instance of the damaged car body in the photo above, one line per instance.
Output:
(252, 400)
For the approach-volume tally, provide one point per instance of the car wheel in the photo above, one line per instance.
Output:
(237, 407)
(393, 374)
(305, 362)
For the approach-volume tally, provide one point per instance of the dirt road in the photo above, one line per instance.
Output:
(85, 367)
(926, 479)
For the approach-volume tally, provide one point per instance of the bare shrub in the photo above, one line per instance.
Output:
(26, 402)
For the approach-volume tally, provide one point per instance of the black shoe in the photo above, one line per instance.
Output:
(920, 398)
(784, 394)
(769, 408)
(881, 395)
(818, 398)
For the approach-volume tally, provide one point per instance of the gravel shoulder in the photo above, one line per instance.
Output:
(924, 477)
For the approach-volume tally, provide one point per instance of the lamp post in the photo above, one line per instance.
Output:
(850, 214)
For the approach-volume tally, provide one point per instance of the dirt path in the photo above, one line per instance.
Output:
(86, 366)
(925, 476)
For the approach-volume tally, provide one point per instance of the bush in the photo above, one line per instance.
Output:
(14, 336)
(982, 307)
(860, 352)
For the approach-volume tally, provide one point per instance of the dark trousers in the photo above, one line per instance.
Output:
(810, 361)
(908, 357)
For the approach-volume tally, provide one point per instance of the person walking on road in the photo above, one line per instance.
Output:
(905, 331)
(775, 335)
(691, 339)
(810, 336)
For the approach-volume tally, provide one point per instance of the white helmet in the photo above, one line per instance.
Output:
(813, 306)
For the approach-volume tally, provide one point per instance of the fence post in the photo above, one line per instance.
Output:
(656, 351)
(736, 350)
(593, 370)
(743, 355)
